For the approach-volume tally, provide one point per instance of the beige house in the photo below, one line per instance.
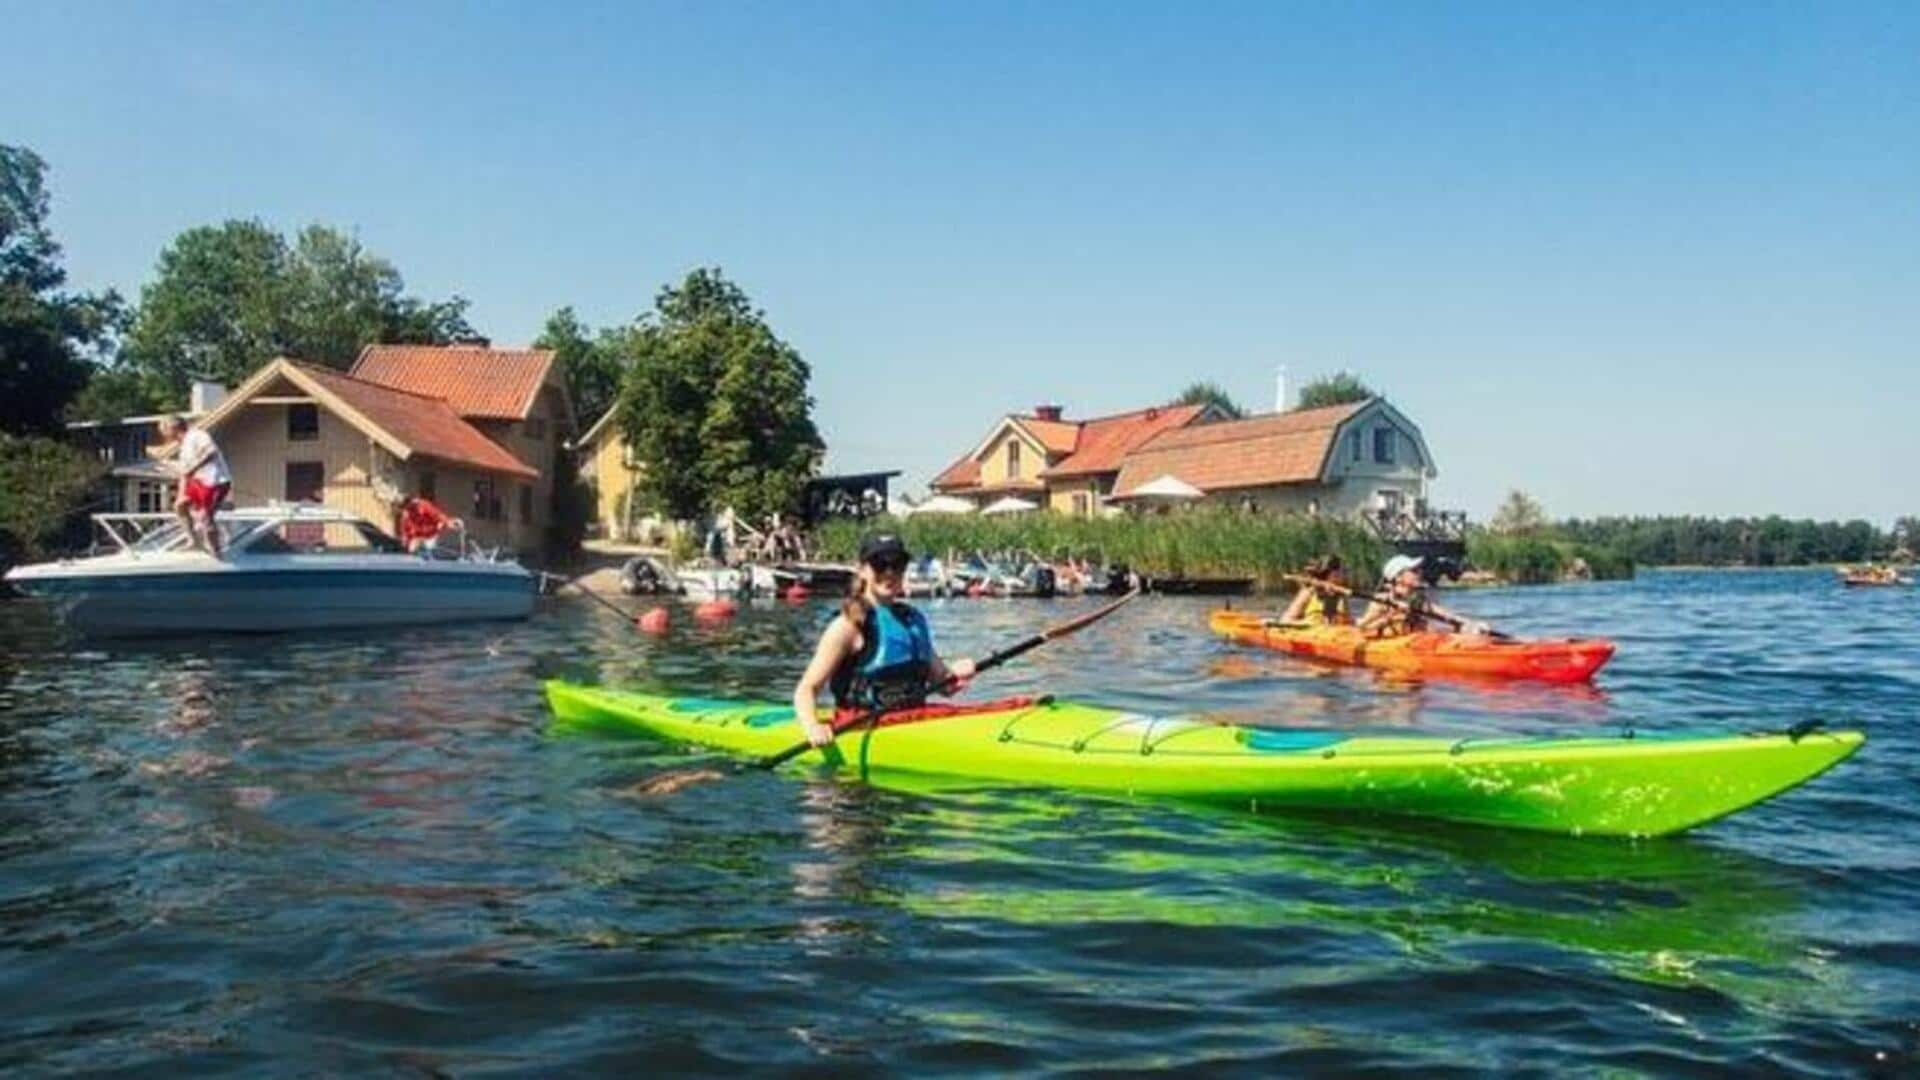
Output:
(475, 429)
(1339, 460)
(608, 469)
(1068, 466)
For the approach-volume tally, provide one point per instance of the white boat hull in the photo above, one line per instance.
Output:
(197, 594)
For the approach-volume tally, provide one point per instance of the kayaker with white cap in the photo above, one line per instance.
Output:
(1402, 606)
(877, 654)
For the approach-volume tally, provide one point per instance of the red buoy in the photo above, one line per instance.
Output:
(654, 621)
(716, 610)
(795, 593)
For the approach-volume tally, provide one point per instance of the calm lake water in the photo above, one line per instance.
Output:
(363, 853)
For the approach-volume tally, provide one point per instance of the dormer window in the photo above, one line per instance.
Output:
(1013, 460)
(1383, 445)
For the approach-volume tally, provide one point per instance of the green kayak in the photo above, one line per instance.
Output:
(1640, 784)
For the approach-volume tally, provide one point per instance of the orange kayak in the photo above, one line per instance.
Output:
(1569, 661)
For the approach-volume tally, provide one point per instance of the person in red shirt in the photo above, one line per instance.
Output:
(422, 524)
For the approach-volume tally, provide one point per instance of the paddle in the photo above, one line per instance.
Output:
(625, 616)
(1457, 624)
(667, 783)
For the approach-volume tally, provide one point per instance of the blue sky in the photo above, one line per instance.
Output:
(1629, 258)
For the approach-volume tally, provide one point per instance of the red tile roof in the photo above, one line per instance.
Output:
(1105, 440)
(1058, 436)
(479, 382)
(964, 473)
(425, 425)
(1280, 448)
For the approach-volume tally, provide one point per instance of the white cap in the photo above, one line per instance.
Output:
(1398, 565)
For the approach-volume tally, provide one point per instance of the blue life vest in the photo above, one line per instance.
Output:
(894, 664)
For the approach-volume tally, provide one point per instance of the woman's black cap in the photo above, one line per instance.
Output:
(883, 545)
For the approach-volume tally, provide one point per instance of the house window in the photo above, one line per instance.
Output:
(303, 423)
(150, 496)
(526, 504)
(423, 485)
(1013, 461)
(486, 502)
(1082, 505)
(537, 428)
(1383, 445)
(306, 481)
(1353, 445)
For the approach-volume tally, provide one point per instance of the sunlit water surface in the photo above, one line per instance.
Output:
(364, 852)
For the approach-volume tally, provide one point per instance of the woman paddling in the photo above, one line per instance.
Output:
(1322, 606)
(1403, 607)
(877, 653)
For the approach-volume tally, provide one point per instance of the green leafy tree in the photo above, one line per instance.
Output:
(42, 482)
(228, 298)
(1519, 515)
(117, 392)
(48, 338)
(1207, 392)
(591, 365)
(715, 405)
(1340, 388)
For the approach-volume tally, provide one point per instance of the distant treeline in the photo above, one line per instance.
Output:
(1770, 541)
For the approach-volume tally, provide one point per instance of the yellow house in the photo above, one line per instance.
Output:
(474, 429)
(610, 472)
(1067, 466)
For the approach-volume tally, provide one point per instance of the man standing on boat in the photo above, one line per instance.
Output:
(205, 481)
(423, 523)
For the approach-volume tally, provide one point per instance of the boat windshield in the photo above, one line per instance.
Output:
(318, 538)
(171, 537)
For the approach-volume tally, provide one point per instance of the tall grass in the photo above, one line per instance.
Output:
(1539, 560)
(1192, 543)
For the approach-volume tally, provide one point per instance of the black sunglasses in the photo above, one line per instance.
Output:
(888, 564)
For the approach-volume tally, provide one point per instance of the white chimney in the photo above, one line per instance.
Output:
(204, 395)
(1280, 389)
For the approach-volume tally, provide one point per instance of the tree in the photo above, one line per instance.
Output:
(592, 367)
(228, 298)
(1208, 392)
(1519, 515)
(715, 405)
(42, 481)
(114, 393)
(47, 337)
(1339, 388)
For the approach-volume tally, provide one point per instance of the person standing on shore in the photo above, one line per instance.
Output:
(205, 481)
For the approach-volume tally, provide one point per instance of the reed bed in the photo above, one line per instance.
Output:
(1188, 543)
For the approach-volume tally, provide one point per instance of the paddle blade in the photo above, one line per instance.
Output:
(671, 782)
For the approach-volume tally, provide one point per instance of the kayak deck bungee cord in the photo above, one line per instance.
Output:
(1625, 784)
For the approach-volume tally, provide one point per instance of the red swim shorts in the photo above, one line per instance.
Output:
(206, 497)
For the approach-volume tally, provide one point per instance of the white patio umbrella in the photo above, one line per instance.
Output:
(942, 504)
(1166, 489)
(1012, 504)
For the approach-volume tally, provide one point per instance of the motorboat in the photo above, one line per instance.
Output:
(713, 582)
(283, 567)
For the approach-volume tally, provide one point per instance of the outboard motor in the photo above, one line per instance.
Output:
(639, 577)
(1045, 584)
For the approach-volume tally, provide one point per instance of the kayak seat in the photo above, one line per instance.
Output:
(1270, 741)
